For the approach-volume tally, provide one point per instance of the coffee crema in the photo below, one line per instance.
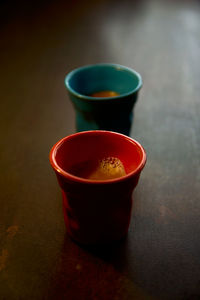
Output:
(104, 94)
(104, 169)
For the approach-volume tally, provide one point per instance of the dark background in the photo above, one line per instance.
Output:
(41, 41)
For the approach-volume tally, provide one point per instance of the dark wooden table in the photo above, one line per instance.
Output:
(40, 43)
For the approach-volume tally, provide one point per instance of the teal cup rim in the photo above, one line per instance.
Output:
(117, 67)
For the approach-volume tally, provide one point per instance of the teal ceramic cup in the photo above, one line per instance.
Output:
(103, 113)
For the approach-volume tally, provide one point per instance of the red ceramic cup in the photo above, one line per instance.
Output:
(97, 211)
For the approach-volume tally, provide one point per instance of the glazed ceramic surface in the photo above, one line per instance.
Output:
(108, 113)
(97, 211)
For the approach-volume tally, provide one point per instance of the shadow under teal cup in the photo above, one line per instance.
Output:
(103, 113)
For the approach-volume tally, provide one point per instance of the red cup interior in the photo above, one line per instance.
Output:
(92, 145)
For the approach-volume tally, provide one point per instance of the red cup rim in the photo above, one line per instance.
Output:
(67, 175)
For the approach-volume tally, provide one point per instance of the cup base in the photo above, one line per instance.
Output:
(91, 235)
(121, 123)
(103, 245)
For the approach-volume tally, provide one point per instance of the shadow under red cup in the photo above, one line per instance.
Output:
(97, 211)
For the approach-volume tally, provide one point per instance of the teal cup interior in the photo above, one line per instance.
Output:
(107, 113)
